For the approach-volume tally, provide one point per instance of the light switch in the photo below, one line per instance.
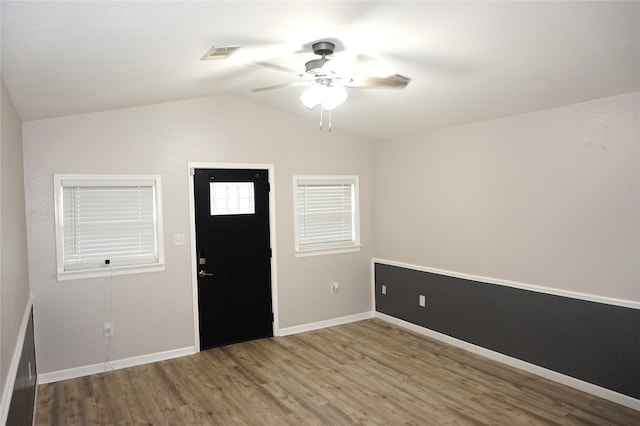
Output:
(422, 301)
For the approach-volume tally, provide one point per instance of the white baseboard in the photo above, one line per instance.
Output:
(7, 392)
(590, 388)
(324, 324)
(87, 370)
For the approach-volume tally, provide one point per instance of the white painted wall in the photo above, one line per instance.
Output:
(550, 198)
(153, 312)
(14, 278)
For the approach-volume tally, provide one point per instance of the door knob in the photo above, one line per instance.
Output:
(202, 273)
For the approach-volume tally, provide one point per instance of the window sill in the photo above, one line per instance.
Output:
(327, 251)
(109, 272)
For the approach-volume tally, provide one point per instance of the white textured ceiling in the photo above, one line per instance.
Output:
(468, 61)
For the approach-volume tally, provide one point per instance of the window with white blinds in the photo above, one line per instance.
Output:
(326, 219)
(108, 224)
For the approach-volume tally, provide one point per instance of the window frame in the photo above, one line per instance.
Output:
(232, 211)
(106, 270)
(332, 247)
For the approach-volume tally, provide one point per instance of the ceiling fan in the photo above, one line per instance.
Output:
(327, 83)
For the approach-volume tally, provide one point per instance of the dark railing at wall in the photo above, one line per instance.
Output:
(21, 409)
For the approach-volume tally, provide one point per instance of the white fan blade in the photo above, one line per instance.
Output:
(395, 81)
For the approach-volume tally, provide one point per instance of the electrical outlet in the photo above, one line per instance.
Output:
(384, 289)
(422, 301)
(108, 329)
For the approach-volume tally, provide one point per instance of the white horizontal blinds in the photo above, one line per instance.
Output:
(113, 221)
(325, 213)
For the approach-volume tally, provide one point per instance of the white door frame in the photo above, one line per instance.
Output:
(191, 166)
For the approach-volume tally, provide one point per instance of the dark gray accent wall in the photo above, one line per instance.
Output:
(21, 409)
(594, 342)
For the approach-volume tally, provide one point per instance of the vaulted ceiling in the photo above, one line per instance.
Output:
(468, 61)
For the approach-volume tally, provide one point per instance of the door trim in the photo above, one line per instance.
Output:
(272, 239)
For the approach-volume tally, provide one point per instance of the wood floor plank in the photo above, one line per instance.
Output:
(368, 372)
(142, 406)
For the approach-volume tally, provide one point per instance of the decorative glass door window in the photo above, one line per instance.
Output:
(228, 198)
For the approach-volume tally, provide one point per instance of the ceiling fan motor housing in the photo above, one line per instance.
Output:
(323, 48)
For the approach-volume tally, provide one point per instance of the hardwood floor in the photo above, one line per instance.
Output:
(368, 372)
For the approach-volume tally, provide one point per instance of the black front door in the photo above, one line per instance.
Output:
(233, 255)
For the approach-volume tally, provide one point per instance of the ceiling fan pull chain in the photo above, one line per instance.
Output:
(321, 118)
(329, 120)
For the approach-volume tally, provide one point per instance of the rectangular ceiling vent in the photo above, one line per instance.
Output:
(222, 52)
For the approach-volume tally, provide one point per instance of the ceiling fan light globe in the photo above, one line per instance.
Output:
(334, 96)
(313, 96)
